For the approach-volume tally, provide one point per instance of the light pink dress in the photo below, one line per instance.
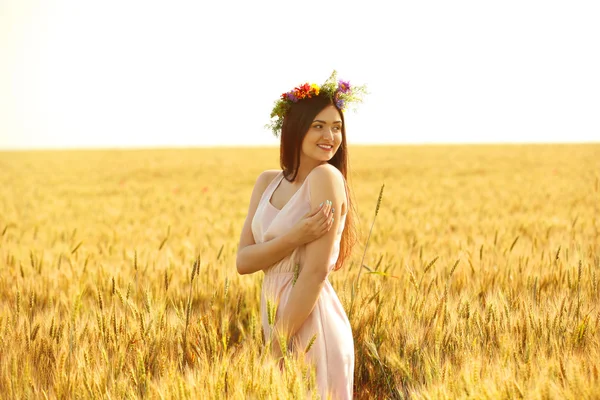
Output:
(333, 350)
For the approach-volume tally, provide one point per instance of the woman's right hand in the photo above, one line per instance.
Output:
(313, 224)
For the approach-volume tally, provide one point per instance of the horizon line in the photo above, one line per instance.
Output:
(267, 146)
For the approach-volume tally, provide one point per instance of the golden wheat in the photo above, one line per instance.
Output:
(480, 280)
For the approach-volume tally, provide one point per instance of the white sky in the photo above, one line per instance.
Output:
(124, 73)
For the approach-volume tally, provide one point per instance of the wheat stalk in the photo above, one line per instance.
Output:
(356, 284)
(194, 273)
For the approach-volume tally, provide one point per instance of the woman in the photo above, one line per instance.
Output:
(298, 230)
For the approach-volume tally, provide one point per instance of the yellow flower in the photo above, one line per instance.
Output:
(315, 87)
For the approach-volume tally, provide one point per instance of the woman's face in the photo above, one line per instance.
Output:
(324, 136)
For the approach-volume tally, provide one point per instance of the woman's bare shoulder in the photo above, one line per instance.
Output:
(265, 178)
(327, 172)
(268, 175)
(327, 175)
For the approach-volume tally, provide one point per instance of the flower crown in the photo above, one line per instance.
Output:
(340, 92)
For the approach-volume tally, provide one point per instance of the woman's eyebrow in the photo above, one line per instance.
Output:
(323, 122)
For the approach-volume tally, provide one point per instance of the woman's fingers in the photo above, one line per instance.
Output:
(320, 212)
(319, 220)
(315, 210)
(325, 222)
(326, 212)
(330, 218)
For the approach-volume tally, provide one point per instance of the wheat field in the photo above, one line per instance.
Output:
(480, 279)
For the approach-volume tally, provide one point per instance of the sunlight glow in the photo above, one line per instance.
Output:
(80, 74)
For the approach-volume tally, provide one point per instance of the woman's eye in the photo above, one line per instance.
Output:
(317, 126)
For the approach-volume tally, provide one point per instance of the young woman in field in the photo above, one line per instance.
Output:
(298, 229)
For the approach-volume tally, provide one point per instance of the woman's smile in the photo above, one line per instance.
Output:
(326, 147)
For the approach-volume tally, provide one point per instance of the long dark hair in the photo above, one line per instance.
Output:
(296, 124)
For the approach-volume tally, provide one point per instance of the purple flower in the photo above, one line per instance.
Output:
(291, 97)
(343, 86)
(339, 103)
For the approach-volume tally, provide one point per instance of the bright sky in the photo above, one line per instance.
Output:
(127, 73)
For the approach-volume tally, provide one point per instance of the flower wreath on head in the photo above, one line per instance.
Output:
(341, 93)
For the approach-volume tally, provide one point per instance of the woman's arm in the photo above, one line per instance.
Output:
(326, 184)
(256, 257)
(252, 257)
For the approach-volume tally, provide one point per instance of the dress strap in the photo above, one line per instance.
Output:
(272, 186)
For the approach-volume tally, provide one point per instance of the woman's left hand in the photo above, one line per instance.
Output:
(312, 225)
